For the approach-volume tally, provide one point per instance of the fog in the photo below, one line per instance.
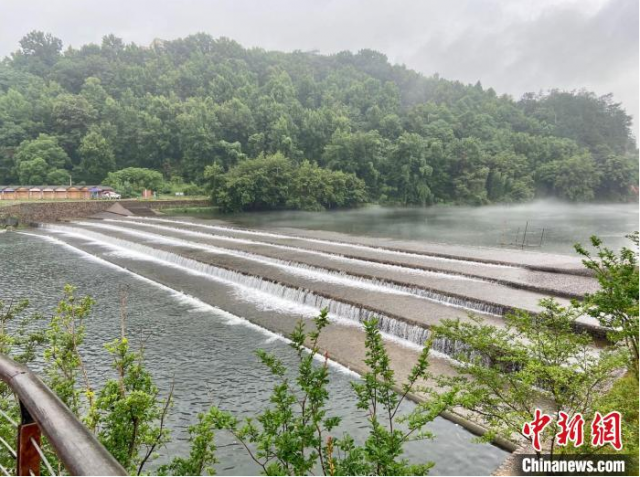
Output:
(564, 223)
(512, 46)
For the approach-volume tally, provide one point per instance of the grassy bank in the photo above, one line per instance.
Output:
(190, 210)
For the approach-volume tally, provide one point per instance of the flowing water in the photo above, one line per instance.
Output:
(206, 351)
(564, 224)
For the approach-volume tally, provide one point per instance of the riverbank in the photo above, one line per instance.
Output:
(28, 212)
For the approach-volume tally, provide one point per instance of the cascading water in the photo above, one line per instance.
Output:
(323, 274)
(403, 330)
(221, 228)
(333, 256)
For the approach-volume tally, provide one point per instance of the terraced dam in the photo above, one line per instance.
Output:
(274, 277)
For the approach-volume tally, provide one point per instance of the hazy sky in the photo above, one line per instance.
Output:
(514, 46)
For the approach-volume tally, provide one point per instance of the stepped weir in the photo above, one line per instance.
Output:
(275, 277)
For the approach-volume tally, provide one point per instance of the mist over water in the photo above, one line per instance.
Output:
(564, 223)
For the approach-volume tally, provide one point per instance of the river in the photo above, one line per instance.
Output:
(207, 345)
(208, 352)
(564, 224)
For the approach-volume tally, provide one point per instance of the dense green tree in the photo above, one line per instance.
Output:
(618, 174)
(510, 178)
(590, 120)
(276, 182)
(97, 158)
(314, 188)
(94, 93)
(468, 171)
(58, 177)
(575, 178)
(360, 153)
(133, 180)
(179, 106)
(407, 171)
(256, 184)
(38, 52)
(34, 171)
(72, 115)
(34, 159)
(198, 127)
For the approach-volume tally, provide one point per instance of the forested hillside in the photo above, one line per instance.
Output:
(264, 129)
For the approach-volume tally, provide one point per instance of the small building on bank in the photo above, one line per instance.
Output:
(35, 193)
(49, 192)
(7, 193)
(60, 193)
(22, 193)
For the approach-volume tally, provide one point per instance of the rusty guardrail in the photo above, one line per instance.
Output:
(43, 412)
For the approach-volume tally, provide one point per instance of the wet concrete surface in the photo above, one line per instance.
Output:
(344, 344)
(484, 292)
(343, 341)
(569, 285)
(213, 352)
(406, 308)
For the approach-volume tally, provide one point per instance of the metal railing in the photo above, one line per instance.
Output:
(42, 413)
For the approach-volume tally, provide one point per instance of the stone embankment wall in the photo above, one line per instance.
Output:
(33, 212)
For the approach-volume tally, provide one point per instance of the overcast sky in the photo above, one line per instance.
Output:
(514, 46)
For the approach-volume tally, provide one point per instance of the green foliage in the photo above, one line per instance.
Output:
(65, 335)
(129, 416)
(575, 178)
(382, 452)
(623, 398)
(615, 305)
(126, 413)
(176, 184)
(276, 182)
(207, 211)
(19, 339)
(409, 173)
(540, 361)
(202, 448)
(133, 180)
(35, 159)
(294, 436)
(39, 51)
(33, 172)
(97, 159)
(180, 106)
(58, 177)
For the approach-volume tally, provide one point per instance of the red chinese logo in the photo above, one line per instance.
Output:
(604, 429)
(607, 430)
(570, 430)
(534, 428)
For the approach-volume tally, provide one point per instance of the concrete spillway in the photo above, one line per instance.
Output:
(401, 315)
(568, 279)
(273, 279)
(485, 296)
(355, 281)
